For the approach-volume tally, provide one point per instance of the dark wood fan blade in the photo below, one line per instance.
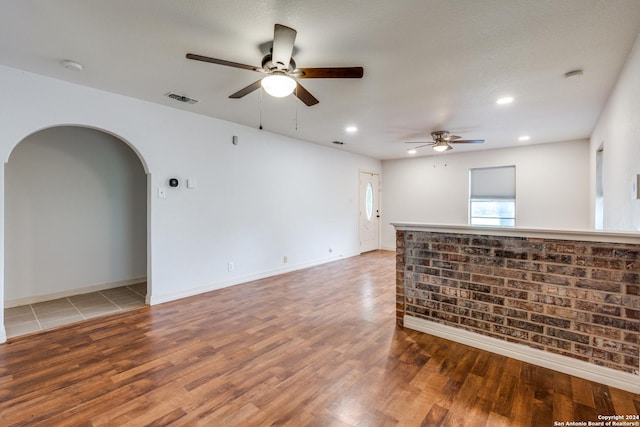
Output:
(283, 40)
(247, 90)
(467, 141)
(223, 62)
(305, 96)
(330, 73)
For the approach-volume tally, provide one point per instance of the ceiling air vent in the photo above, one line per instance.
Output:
(182, 98)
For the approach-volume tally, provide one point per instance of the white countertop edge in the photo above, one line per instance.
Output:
(579, 235)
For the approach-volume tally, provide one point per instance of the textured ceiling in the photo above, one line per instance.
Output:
(429, 64)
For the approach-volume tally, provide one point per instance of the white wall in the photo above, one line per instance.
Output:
(551, 186)
(256, 202)
(75, 214)
(618, 129)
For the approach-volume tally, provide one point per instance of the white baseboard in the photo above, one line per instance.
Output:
(556, 362)
(3, 334)
(159, 299)
(78, 291)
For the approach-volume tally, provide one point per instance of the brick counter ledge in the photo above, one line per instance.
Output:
(566, 300)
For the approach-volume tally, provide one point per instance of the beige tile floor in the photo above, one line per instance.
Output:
(27, 319)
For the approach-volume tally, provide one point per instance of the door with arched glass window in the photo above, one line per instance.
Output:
(369, 211)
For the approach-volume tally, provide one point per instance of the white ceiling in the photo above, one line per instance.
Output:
(428, 64)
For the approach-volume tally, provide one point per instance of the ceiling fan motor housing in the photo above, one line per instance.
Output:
(439, 135)
(269, 66)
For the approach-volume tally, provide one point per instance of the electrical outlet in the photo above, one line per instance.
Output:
(230, 266)
(285, 260)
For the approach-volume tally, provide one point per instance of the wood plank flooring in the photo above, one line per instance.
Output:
(317, 347)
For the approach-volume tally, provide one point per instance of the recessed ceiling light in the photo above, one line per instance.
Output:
(412, 151)
(351, 129)
(524, 138)
(504, 100)
(72, 65)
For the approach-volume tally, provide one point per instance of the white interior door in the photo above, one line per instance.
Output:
(369, 208)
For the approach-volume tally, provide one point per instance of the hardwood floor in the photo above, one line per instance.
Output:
(317, 347)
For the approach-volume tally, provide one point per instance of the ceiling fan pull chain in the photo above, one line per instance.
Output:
(296, 104)
(261, 90)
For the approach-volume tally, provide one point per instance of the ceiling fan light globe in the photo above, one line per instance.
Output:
(441, 147)
(278, 85)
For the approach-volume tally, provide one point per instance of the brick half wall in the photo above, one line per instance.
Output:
(574, 298)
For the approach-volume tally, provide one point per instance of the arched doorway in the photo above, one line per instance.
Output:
(75, 224)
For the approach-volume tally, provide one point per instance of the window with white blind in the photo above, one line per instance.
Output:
(492, 196)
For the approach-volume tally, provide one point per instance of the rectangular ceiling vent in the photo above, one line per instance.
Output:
(182, 98)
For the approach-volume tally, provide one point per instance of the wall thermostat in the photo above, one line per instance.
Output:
(173, 182)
